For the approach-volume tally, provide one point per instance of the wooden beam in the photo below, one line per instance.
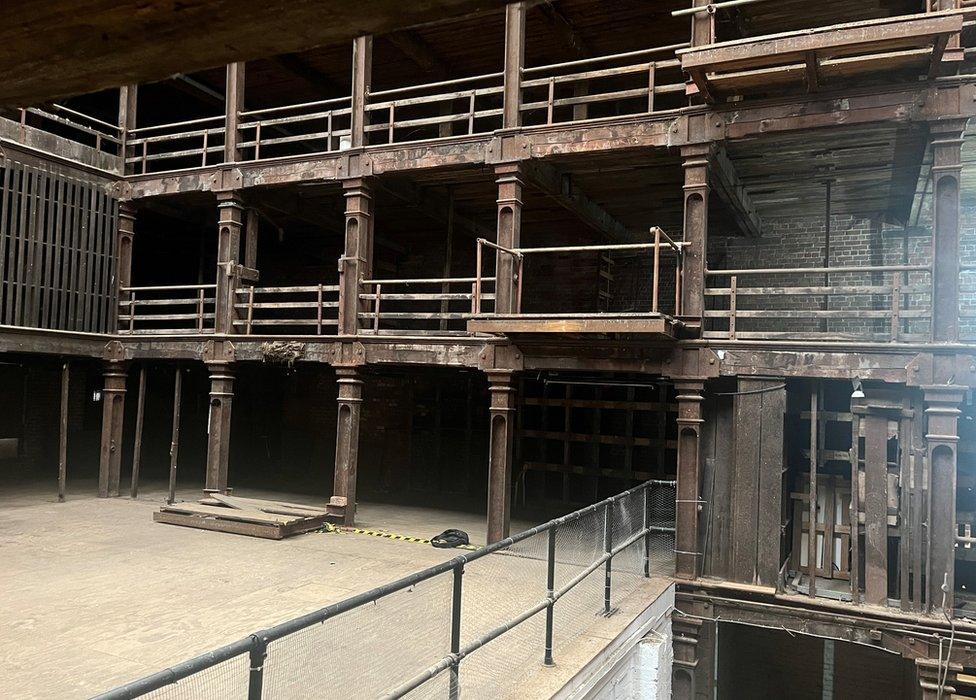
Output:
(437, 207)
(420, 53)
(560, 187)
(563, 29)
(297, 66)
(730, 189)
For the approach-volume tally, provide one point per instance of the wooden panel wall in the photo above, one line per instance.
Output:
(57, 250)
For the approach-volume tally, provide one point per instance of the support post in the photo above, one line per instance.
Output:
(688, 502)
(125, 233)
(218, 425)
(127, 122)
(174, 445)
(702, 34)
(356, 263)
(347, 439)
(514, 62)
(362, 78)
(510, 184)
(113, 415)
(942, 436)
(501, 386)
(230, 225)
(947, 140)
(696, 190)
(63, 434)
(550, 592)
(233, 105)
(137, 448)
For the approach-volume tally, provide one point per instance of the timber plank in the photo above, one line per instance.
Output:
(229, 513)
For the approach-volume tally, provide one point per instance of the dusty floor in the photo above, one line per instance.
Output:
(95, 594)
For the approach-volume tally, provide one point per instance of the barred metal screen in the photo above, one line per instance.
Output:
(478, 624)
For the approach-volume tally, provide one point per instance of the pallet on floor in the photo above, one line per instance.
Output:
(248, 516)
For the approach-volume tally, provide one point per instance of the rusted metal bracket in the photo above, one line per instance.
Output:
(218, 351)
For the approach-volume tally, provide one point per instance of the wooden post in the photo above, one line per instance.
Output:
(510, 184)
(174, 445)
(230, 224)
(218, 425)
(356, 264)
(63, 435)
(233, 104)
(127, 122)
(687, 506)
(696, 191)
(942, 436)
(125, 232)
(448, 258)
(812, 548)
(946, 170)
(514, 62)
(347, 439)
(113, 415)
(362, 77)
(501, 386)
(137, 448)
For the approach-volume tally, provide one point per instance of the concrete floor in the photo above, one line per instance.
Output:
(96, 594)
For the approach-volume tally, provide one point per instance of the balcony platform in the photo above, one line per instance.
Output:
(657, 326)
(818, 56)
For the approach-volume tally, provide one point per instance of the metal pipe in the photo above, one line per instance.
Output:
(610, 57)
(455, 687)
(711, 8)
(817, 270)
(607, 548)
(442, 83)
(550, 585)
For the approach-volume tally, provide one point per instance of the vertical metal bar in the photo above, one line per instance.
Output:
(255, 678)
(137, 448)
(552, 93)
(607, 548)
(455, 686)
(318, 311)
(132, 310)
(203, 158)
(250, 310)
(471, 113)
(477, 278)
(812, 532)
(650, 86)
(376, 309)
(854, 516)
(550, 593)
(200, 298)
(518, 284)
(145, 145)
(63, 435)
(647, 531)
(733, 301)
(174, 446)
(474, 296)
(257, 141)
(392, 107)
(678, 267)
(895, 306)
(657, 270)
(328, 131)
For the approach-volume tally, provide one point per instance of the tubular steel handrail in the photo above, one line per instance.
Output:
(255, 645)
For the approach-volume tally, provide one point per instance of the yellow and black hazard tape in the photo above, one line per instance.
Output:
(399, 538)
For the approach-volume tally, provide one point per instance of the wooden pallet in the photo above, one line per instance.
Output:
(248, 516)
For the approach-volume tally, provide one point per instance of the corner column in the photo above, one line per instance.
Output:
(362, 78)
(230, 224)
(688, 504)
(695, 233)
(113, 415)
(514, 62)
(946, 170)
(233, 105)
(501, 386)
(218, 425)
(347, 441)
(509, 235)
(942, 436)
(356, 263)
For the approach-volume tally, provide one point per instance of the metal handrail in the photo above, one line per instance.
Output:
(610, 57)
(256, 644)
(441, 83)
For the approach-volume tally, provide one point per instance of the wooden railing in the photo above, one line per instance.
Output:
(76, 126)
(398, 306)
(310, 127)
(305, 310)
(586, 89)
(181, 308)
(661, 242)
(895, 305)
(465, 106)
(186, 144)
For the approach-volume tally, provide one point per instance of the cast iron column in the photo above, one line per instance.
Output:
(501, 385)
(942, 437)
(362, 77)
(218, 425)
(347, 439)
(687, 506)
(113, 415)
(509, 235)
(233, 104)
(356, 264)
(946, 169)
(125, 233)
(231, 222)
(514, 62)
(696, 191)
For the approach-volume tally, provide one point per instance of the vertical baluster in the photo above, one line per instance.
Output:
(318, 307)
(257, 141)
(607, 548)
(677, 283)
(895, 306)
(391, 123)
(552, 94)
(733, 285)
(328, 134)
(474, 297)
(471, 112)
(250, 310)
(145, 145)
(200, 298)
(376, 309)
(132, 310)
(477, 278)
(206, 139)
(651, 67)
(657, 270)
(550, 593)
(518, 284)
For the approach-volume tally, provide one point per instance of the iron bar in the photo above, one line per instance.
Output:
(63, 435)
(137, 447)
(609, 57)
(255, 679)
(455, 687)
(550, 585)
(607, 547)
(711, 8)
(174, 446)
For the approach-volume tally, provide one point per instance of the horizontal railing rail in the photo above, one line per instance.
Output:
(431, 305)
(308, 309)
(580, 90)
(866, 302)
(662, 241)
(321, 126)
(460, 107)
(627, 538)
(184, 144)
(167, 309)
(76, 126)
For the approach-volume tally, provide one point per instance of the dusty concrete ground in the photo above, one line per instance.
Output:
(96, 594)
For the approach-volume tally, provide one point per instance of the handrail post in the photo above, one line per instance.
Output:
(477, 278)
(647, 531)
(318, 311)
(550, 593)
(132, 310)
(652, 66)
(518, 284)
(200, 297)
(376, 309)
(733, 301)
(250, 309)
(455, 685)
(607, 547)
(255, 679)
(657, 270)
(895, 306)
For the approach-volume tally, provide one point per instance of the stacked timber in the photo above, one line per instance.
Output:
(248, 516)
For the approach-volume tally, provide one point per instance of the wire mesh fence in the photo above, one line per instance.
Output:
(476, 625)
